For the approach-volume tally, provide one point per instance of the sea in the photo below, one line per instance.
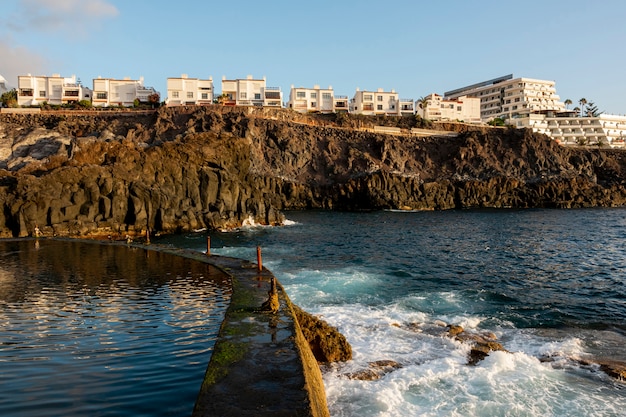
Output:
(549, 284)
(88, 329)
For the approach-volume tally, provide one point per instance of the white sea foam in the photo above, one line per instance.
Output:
(435, 379)
(288, 222)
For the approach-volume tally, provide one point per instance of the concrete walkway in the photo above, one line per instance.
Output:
(261, 364)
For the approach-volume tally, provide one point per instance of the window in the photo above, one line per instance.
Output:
(257, 96)
(313, 95)
(174, 94)
(313, 104)
(327, 96)
(459, 108)
(379, 107)
(42, 94)
(101, 95)
(189, 94)
(300, 94)
(367, 97)
(205, 96)
(380, 98)
(243, 95)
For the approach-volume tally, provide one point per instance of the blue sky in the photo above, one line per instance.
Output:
(414, 47)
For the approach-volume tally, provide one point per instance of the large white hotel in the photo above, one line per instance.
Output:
(534, 104)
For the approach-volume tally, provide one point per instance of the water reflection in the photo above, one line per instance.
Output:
(91, 329)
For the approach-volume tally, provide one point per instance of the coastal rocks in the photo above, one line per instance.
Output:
(181, 169)
(375, 371)
(327, 344)
(482, 343)
(612, 368)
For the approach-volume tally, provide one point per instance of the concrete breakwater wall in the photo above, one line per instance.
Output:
(261, 364)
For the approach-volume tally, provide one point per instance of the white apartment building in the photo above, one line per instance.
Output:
(316, 99)
(250, 92)
(189, 91)
(509, 98)
(112, 92)
(568, 128)
(406, 106)
(375, 102)
(35, 90)
(462, 108)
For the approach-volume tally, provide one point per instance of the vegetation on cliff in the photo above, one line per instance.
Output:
(177, 169)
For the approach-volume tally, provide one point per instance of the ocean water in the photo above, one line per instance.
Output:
(550, 284)
(101, 330)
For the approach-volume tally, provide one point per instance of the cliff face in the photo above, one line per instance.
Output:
(189, 168)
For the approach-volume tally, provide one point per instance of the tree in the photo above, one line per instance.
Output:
(154, 99)
(9, 98)
(498, 121)
(582, 103)
(223, 98)
(423, 103)
(567, 103)
(591, 110)
(576, 109)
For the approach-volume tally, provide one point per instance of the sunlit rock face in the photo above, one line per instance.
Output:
(114, 174)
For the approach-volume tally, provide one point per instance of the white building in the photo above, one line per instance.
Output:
(250, 92)
(568, 128)
(112, 92)
(316, 99)
(189, 91)
(509, 98)
(406, 107)
(36, 90)
(463, 108)
(375, 102)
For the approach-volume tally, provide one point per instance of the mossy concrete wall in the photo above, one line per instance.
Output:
(261, 364)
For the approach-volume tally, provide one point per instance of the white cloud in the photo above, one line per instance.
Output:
(67, 16)
(20, 61)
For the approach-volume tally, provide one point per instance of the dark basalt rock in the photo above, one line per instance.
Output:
(327, 344)
(376, 370)
(181, 169)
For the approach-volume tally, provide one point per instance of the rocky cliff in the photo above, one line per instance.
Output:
(176, 169)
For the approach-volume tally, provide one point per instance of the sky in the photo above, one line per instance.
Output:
(414, 47)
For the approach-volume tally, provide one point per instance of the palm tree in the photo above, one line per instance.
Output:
(567, 102)
(422, 103)
(582, 103)
(576, 109)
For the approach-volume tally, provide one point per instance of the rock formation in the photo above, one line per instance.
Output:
(178, 169)
(326, 342)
